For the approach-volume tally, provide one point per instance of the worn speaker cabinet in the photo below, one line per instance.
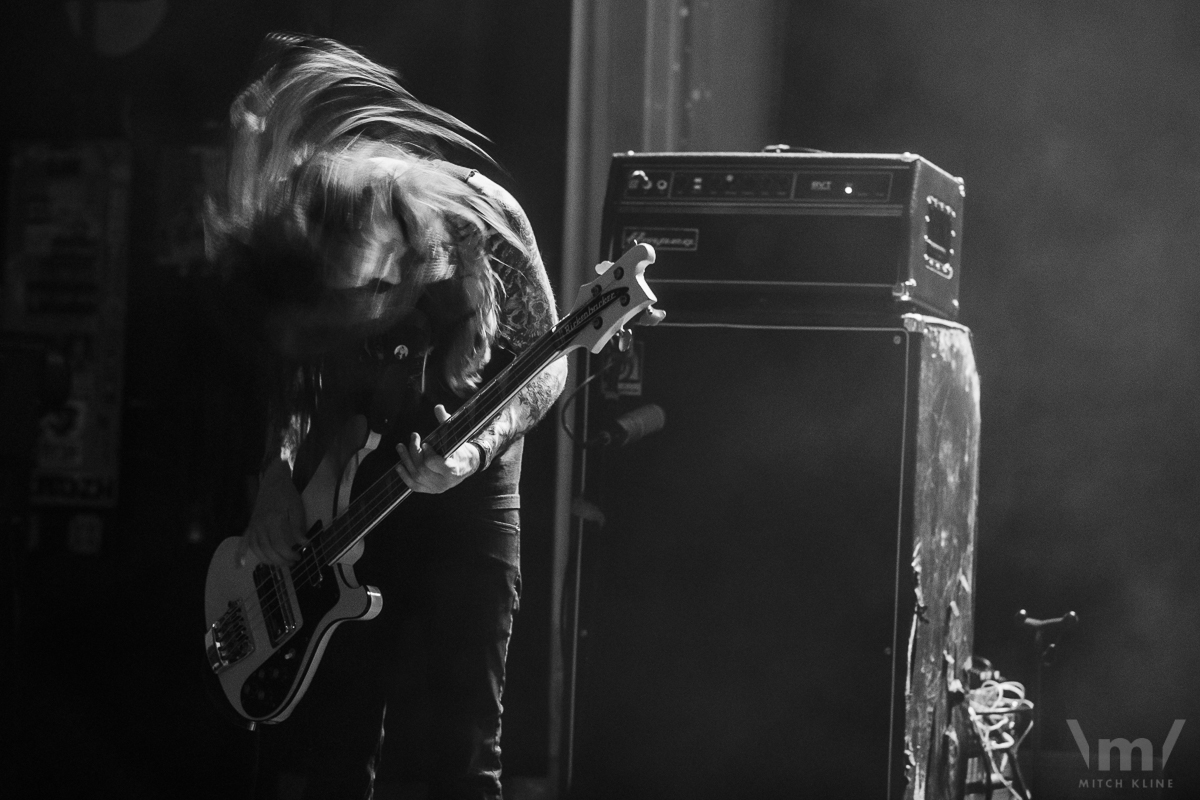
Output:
(774, 594)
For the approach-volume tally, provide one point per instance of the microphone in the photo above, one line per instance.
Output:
(631, 426)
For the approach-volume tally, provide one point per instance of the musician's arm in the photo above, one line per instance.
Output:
(528, 313)
(277, 524)
(523, 412)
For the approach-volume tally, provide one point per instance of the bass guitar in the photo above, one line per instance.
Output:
(267, 626)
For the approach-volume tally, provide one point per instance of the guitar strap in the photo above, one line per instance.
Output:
(403, 357)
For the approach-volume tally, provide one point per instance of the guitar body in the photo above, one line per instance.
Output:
(279, 619)
(268, 626)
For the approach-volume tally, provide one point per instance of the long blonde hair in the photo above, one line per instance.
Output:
(338, 210)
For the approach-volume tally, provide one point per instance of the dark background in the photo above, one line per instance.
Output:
(1074, 125)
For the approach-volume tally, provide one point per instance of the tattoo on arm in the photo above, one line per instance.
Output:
(526, 409)
(527, 312)
(527, 309)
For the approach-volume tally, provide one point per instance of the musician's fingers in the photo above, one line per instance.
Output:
(414, 468)
(262, 543)
(441, 413)
(282, 541)
(274, 537)
(421, 467)
(409, 479)
(436, 464)
(254, 539)
(277, 524)
(429, 465)
(296, 534)
(406, 467)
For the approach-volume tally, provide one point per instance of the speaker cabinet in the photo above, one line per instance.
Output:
(773, 594)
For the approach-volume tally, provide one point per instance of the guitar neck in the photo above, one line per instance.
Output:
(475, 414)
(603, 306)
(381, 498)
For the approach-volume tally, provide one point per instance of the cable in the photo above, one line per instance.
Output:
(570, 398)
(994, 709)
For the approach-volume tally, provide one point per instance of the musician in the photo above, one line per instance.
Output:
(383, 285)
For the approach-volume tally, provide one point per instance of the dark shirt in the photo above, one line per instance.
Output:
(394, 380)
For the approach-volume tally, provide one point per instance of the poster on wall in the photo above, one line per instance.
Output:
(65, 284)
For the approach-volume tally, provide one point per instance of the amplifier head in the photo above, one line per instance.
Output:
(811, 232)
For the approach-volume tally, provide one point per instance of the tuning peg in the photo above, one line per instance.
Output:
(651, 316)
(624, 340)
(603, 267)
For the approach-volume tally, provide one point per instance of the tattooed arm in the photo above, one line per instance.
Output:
(527, 312)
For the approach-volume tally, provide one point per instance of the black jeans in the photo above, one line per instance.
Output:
(431, 664)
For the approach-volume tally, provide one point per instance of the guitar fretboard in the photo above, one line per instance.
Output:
(385, 494)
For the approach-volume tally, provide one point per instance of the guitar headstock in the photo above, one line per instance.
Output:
(606, 305)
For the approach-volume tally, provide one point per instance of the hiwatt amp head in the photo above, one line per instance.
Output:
(791, 233)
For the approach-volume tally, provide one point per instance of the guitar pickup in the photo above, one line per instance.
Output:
(228, 640)
(275, 601)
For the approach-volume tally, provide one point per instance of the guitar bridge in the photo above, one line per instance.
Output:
(228, 640)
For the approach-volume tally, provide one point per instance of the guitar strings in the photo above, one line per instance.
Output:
(380, 493)
(368, 505)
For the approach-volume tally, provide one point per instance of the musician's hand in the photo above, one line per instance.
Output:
(423, 470)
(276, 529)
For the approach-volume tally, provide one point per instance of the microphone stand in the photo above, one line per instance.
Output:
(1046, 634)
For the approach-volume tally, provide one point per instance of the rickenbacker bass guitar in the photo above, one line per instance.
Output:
(267, 625)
